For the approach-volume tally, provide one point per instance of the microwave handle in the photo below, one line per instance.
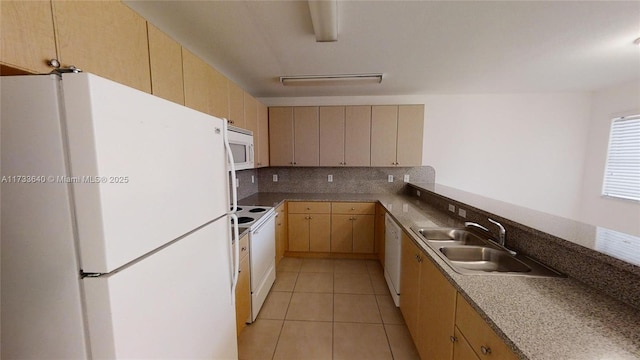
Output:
(251, 154)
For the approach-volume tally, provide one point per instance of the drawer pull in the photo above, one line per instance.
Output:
(243, 248)
(308, 208)
(453, 339)
(353, 209)
(485, 350)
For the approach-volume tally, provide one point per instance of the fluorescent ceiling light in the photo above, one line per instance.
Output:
(328, 80)
(324, 16)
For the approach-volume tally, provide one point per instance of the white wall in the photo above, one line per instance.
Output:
(524, 149)
(617, 214)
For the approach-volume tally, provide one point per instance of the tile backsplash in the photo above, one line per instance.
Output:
(344, 179)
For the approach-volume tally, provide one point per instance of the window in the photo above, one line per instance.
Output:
(622, 172)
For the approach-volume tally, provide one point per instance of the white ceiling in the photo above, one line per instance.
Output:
(422, 47)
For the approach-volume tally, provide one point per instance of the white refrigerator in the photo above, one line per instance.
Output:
(116, 239)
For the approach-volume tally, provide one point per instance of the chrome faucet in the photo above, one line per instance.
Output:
(502, 233)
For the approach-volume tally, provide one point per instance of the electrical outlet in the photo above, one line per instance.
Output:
(390, 178)
(253, 179)
(452, 208)
(330, 178)
(462, 213)
(418, 192)
(405, 207)
(406, 177)
(237, 182)
(275, 177)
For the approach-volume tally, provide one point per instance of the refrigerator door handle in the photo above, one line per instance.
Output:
(235, 264)
(234, 189)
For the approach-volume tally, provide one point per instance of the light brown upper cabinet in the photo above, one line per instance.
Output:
(345, 135)
(306, 139)
(357, 134)
(27, 40)
(294, 136)
(165, 57)
(106, 38)
(410, 135)
(262, 146)
(332, 135)
(205, 89)
(396, 135)
(281, 136)
(236, 105)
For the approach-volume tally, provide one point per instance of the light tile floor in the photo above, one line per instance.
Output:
(328, 309)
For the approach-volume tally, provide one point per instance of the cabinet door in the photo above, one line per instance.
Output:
(384, 130)
(479, 335)
(281, 136)
(363, 230)
(251, 123)
(410, 284)
(320, 232)
(27, 40)
(380, 232)
(262, 149)
(357, 133)
(461, 348)
(341, 233)
(298, 225)
(205, 89)
(306, 136)
(410, 127)
(243, 295)
(281, 232)
(165, 57)
(332, 135)
(106, 38)
(236, 105)
(437, 309)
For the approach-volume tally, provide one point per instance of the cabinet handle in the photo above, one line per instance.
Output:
(485, 350)
(243, 249)
(353, 209)
(453, 339)
(294, 163)
(310, 218)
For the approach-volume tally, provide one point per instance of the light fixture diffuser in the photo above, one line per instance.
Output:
(324, 16)
(330, 80)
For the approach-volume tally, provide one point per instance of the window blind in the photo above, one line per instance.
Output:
(622, 172)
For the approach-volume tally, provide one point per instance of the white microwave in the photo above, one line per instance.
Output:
(241, 143)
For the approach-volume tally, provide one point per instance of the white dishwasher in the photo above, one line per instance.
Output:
(392, 253)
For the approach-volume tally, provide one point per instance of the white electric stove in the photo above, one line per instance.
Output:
(261, 222)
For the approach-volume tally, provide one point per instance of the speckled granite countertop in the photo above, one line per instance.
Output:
(539, 318)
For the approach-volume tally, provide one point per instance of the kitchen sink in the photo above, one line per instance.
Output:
(451, 236)
(483, 259)
(471, 253)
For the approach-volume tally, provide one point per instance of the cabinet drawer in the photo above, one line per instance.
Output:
(483, 340)
(244, 246)
(309, 207)
(353, 208)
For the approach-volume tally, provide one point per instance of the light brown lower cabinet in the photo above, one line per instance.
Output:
(483, 340)
(309, 225)
(337, 227)
(442, 323)
(461, 348)
(281, 231)
(243, 288)
(411, 257)
(436, 312)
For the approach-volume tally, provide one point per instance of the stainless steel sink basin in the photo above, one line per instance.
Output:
(451, 236)
(483, 259)
(469, 253)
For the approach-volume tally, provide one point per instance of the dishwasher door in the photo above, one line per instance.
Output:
(392, 244)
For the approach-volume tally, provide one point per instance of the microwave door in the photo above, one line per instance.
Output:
(239, 151)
